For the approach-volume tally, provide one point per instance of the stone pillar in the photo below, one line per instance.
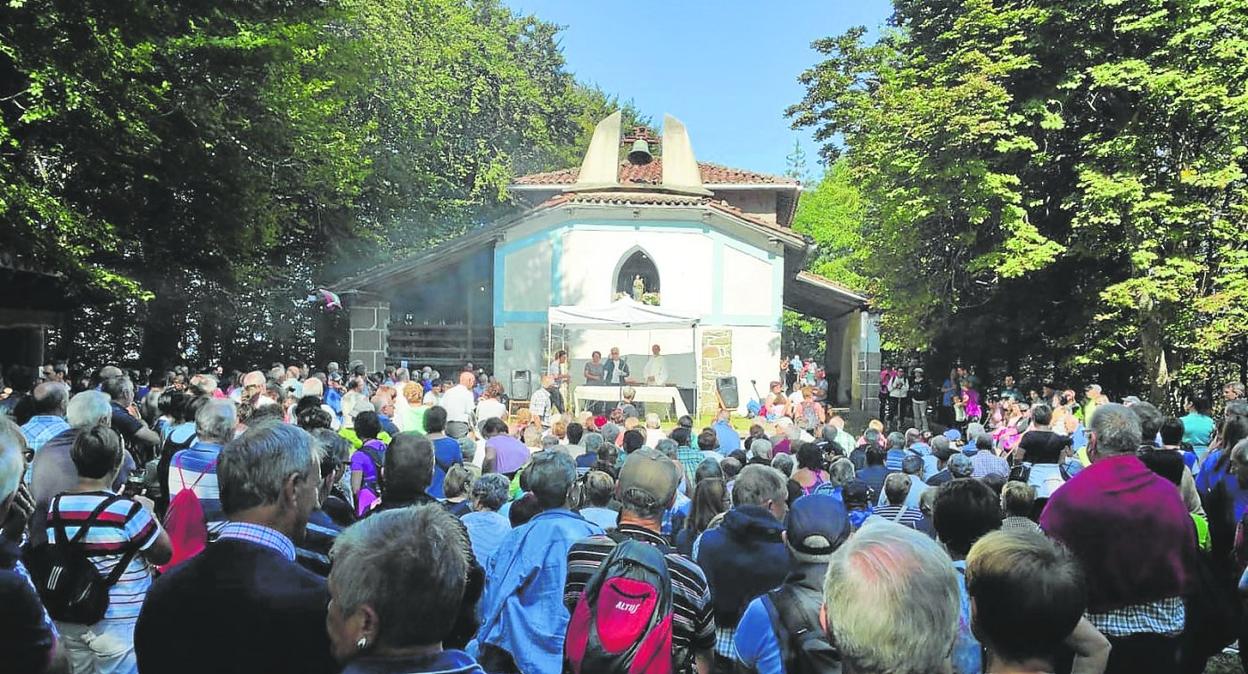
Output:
(716, 362)
(370, 333)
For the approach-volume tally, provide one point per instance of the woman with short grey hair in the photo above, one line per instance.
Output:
(486, 526)
(396, 578)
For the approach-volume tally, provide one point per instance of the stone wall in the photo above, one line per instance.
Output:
(370, 333)
(716, 362)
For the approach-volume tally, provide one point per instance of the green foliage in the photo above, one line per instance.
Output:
(833, 215)
(1058, 182)
(195, 170)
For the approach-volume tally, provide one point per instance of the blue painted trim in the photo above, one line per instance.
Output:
(498, 287)
(556, 267)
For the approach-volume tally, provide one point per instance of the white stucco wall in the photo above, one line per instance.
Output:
(592, 256)
(725, 274)
(755, 355)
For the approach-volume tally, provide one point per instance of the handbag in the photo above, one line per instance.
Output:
(1020, 472)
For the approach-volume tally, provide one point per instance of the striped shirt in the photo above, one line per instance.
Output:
(693, 626)
(319, 537)
(910, 518)
(196, 467)
(122, 527)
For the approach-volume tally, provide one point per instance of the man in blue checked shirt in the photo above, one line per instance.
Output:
(50, 400)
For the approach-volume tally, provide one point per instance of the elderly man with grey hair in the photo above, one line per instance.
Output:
(760, 452)
(195, 467)
(1118, 516)
(646, 490)
(246, 590)
(986, 461)
(126, 419)
(591, 442)
(48, 403)
(523, 619)
(874, 582)
(745, 556)
(53, 471)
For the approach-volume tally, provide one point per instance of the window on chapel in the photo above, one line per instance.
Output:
(638, 278)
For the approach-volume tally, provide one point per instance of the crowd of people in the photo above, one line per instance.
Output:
(296, 520)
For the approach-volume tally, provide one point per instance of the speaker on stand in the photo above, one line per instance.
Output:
(726, 387)
(521, 384)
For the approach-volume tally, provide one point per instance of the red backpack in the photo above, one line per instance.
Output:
(186, 523)
(622, 624)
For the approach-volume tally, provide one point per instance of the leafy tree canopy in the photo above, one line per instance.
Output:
(193, 170)
(1051, 181)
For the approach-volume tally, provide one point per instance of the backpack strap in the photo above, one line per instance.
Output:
(618, 537)
(778, 626)
(58, 529)
(901, 512)
(59, 532)
(127, 557)
(211, 467)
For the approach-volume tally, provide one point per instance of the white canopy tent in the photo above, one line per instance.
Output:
(622, 314)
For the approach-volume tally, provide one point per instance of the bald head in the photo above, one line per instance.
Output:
(467, 379)
(313, 387)
(51, 397)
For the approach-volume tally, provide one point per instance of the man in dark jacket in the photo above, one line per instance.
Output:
(875, 472)
(815, 527)
(244, 605)
(745, 556)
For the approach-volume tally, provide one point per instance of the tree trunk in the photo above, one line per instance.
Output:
(161, 334)
(1153, 352)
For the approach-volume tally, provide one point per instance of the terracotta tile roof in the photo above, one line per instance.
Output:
(652, 174)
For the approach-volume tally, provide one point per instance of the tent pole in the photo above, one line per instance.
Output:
(697, 370)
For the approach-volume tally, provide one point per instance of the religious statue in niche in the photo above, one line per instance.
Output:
(639, 287)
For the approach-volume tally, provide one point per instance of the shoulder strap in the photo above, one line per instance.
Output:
(211, 467)
(58, 529)
(618, 537)
(901, 512)
(778, 626)
(127, 557)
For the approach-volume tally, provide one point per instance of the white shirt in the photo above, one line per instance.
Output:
(490, 408)
(655, 371)
(459, 404)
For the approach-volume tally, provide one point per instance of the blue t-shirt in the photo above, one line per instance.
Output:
(755, 640)
(967, 653)
(446, 453)
(1197, 430)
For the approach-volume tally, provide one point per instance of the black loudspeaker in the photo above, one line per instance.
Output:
(521, 384)
(727, 387)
